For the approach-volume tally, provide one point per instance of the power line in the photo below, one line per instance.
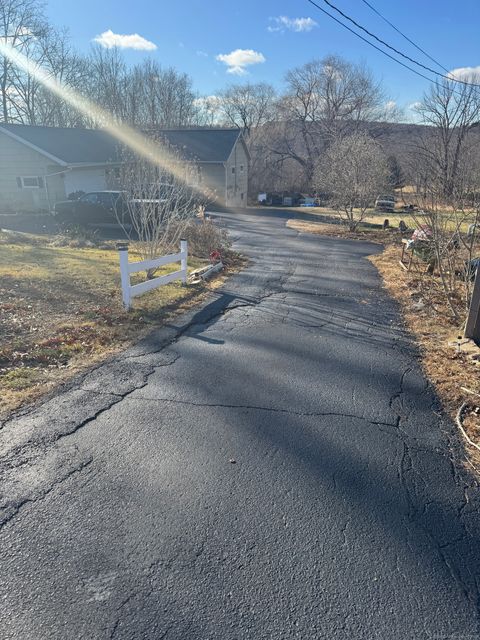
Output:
(385, 44)
(439, 64)
(405, 36)
(385, 53)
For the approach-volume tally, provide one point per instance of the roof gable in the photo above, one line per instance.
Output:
(202, 145)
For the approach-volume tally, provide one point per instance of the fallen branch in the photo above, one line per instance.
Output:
(459, 421)
(205, 272)
(474, 393)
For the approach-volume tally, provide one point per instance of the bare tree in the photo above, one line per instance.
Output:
(451, 111)
(325, 100)
(353, 171)
(247, 106)
(445, 167)
(155, 97)
(72, 71)
(108, 80)
(52, 52)
(206, 111)
(160, 203)
(22, 26)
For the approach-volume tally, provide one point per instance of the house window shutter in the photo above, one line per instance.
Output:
(19, 183)
(40, 182)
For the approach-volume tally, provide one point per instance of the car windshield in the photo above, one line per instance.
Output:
(91, 198)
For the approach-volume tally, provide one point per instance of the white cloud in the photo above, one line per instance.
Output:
(414, 106)
(238, 60)
(108, 40)
(471, 74)
(210, 102)
(281, 23)
(202, 54)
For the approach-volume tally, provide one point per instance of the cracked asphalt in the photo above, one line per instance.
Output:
(272, 466)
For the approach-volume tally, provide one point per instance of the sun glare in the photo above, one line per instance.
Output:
(136, 141)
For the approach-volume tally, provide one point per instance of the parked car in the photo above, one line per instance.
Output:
(97, 208)
(385, 203)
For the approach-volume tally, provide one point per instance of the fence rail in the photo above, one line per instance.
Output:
(130, 291)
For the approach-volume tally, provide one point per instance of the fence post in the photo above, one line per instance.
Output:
(184, 251)
(472, 329)
(124, 274)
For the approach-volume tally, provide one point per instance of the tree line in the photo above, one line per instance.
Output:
(145, 95)
(323, 105)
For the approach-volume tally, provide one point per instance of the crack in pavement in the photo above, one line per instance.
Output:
(10, 508)
(23, 457)
(311, 414)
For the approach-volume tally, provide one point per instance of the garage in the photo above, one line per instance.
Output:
(85, 179)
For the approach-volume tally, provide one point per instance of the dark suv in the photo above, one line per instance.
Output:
(98, 208)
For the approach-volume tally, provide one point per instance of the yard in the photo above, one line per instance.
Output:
(374, 217)
(61, 311)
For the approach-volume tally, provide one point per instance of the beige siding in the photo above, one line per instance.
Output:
(237, 177)
(213, 179)
(228, 181)
(18, 160)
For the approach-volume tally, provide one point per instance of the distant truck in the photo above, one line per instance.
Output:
(385, 203)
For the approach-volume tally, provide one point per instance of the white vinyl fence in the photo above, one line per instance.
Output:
(129, 291)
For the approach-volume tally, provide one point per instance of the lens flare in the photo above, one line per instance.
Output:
(154, 152)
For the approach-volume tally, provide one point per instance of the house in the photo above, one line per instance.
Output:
(42, 165)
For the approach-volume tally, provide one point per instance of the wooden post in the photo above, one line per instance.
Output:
(184, 252)
(124, 274)
(472, 329)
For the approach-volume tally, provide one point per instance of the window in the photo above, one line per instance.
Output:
(241, 196)
(30, 182)
(233, 169)
(241, 168)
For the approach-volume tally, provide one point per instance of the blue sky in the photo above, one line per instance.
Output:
(190, 34)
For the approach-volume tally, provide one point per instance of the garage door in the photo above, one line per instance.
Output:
(85, 180)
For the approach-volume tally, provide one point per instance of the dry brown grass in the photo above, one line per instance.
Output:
(451, 363)
(61, 311)
(377, 217)
(341, 231)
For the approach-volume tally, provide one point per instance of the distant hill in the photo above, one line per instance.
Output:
(397, 138)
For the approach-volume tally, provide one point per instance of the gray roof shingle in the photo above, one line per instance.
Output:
(91, 146)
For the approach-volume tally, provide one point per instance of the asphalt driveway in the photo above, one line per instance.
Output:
(274, 466)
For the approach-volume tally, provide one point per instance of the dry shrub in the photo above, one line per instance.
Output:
(77, 237)
(19, 238)
(205, 237)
